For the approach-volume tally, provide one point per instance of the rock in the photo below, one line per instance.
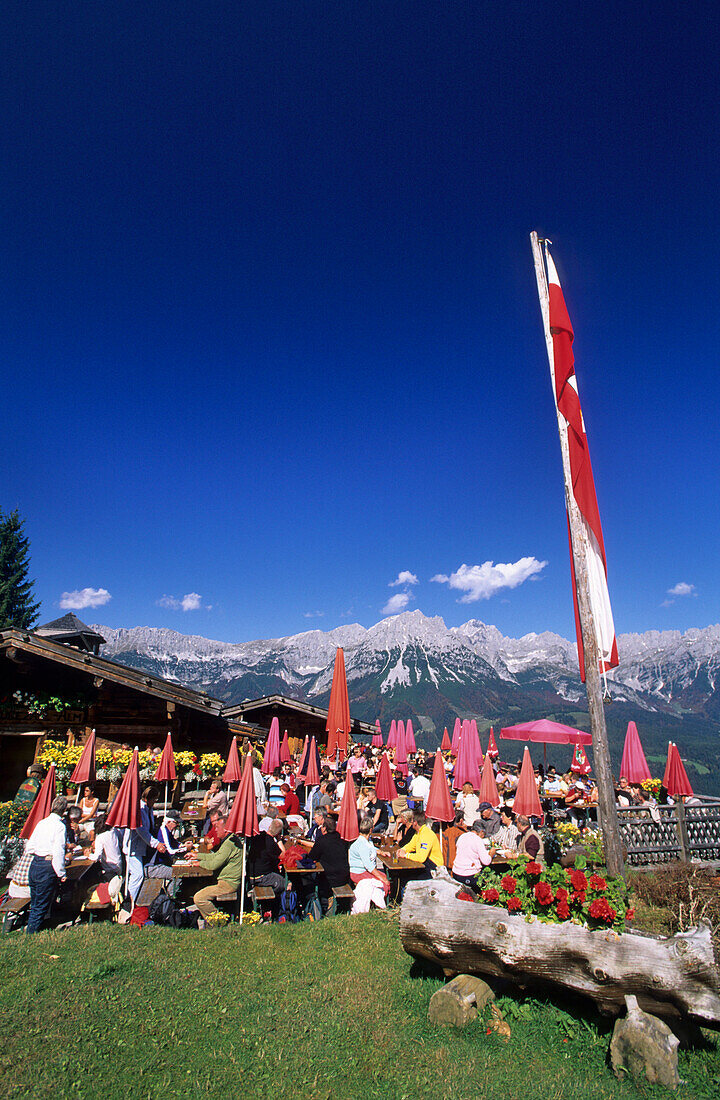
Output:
(642, 1044)
(458, 1003)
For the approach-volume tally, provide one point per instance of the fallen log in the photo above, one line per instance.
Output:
(669, 976)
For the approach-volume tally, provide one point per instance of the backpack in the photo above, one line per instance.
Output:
(313, 909)
(162, 910)
(288, 907)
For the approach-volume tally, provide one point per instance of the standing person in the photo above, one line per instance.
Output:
(139, 843)
(27, 791)
(47, 870)
(258, 784)
(357, 764)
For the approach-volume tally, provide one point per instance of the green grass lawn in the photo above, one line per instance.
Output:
(335, 1010)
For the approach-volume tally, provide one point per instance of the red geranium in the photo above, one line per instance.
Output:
(508, 884)
(600, 909)
(561, 894)
(533, 868)
(578, 880)
(491, 895)
(578, 896)
(543, 893)
(597, 883)
(514, 904)
(629, 914)
(563, 910)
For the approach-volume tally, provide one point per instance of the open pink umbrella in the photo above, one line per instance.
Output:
(338, 723)
(545, 732)
(392, 735)
(445, 744)
(347, 824)
(633, 764)
(455, 744)
(385, 787)
(377, 741)
(488, 786)
(439, 804)
(285, 756)
(41, 806)
(84, 771)
(492, 747)
(527, 800)
(676, 780)
(243, 820)
(410, 745)
(166, 766)
(580, 763)
(271, 757)
(466, 765)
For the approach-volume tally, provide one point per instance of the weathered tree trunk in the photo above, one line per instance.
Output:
(668, 976)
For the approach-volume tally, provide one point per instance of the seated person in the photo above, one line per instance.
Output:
(424, 847)
(450, 838)
(469, 803)
(215, 799)
(362, 858)
(420, 787)
(471, 855)
(271, 814)
(404, 828)
(89, 806)
(377, 811)
(211, 838)
(489, 819)
(291, 805)
(331, 851)
(264, 857)
(530, 842)
(72, 829)
(160, 865)
(227, 863)
(553, 782)
(316, 828)
(507, 837)
(623, 793)
(106, 849)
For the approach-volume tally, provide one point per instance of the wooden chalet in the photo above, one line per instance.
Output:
(301, 720)
(124, 705)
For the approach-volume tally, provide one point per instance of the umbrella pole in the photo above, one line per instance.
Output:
(166, 797)
(77, 796)
(242, 887)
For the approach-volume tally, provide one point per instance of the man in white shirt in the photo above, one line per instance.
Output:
(259, 787)
(420, 787)
(47, 870)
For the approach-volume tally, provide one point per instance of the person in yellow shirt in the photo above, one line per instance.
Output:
(425, 844)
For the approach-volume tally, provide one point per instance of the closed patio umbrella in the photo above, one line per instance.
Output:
(492, 747)
(466, 764)
(488, 787)
(166, 766)
(41, 806)
(580, 763)
(410, 745)
(84, 771)
(633, 764)
(385, 787)
(392, 735)
(439, 804)
(675, 779)
(527, 800)
(455, 743)
(400, 749)
(125, 810)
(347, 824)
(271, 756)
(243, 819)
(338, 723)
(312, 767)
(377, 741)
(445, 744)
(285, 756)
(233, 771)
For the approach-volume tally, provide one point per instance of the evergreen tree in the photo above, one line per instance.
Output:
(17, 607)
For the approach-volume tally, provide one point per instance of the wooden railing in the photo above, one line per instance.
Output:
(664, 834)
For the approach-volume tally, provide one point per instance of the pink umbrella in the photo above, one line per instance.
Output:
(285, 756)
(312, 767)
(166, 766)
(455, 744)
(466, 765)
(125, 810)
(271, 757)
(476, 738)
(85, 768)
(392, 735)
(675, 780)
(527, 800)
(400, 738)
(385, 787)
(545, 732)
(338, 723)
(42, 804)
(439, 804)
(580, 763)
(492, 747)
(488, 786)
(377, 741)
(233, 771)
(445, 744)
(410, 745)
(347, 824)
(633, 764)
(243, 820)
(400, 750)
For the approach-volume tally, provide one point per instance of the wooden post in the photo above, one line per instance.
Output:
(682, 831)
(606, 792)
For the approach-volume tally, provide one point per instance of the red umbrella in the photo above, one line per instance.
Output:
(385, 787)
(476, 738)
(488, 786)
(392, 735)
(41, 806)
(401, 750)
(85, 768)
(410, 745)
(455, 745)
(243, 819)
(271, 757)
(580, 763)
(233, 771)
(285, 756)
(338, 720)
(445, 744)
(633, 764)
(466, 764)
(527, 800)
(312, 768)
(347, 824)
(125, 810)
(377, 741)
(545, 732)
(166, 767)
(675, 780)
(439, 804)
(492, 747)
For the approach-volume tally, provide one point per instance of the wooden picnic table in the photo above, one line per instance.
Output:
(183, 868)
(76, 868)
(394, 862)
(316, 869)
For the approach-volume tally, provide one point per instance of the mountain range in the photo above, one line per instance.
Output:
(413, 666)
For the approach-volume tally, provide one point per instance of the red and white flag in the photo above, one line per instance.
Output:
(583, 485)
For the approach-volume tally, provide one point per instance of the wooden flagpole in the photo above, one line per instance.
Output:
(601, 751)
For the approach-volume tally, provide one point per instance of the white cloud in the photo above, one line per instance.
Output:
(84, 597)
(480, 582)
(313, 614)
(396, 603)
(192, 601)
(682, 588)
(404, 577)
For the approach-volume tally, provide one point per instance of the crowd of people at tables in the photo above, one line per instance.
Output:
(295, 819)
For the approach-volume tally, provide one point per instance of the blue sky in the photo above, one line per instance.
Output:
(270, 327)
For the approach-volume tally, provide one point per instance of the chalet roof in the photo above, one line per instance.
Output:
(67, 626)
(250, 706)
(14, 642)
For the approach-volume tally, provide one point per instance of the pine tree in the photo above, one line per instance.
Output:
(17, 607)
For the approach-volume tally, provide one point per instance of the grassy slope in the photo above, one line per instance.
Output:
(329, 1010)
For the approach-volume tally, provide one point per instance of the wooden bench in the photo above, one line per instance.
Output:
(149, 890)
(11, 906)
(92, 907)
(341, 895)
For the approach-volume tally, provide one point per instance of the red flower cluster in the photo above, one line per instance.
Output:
(597, 883)
(491, 895)
(563, 910)
(543, 893)
(561, 894)
(508, 884)
(600, 909)
(533, 868)
(514, 904)
(578, 881)
(629, 914)
(578, 896)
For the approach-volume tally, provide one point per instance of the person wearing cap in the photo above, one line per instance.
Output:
(47, 869)
(489, 819)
